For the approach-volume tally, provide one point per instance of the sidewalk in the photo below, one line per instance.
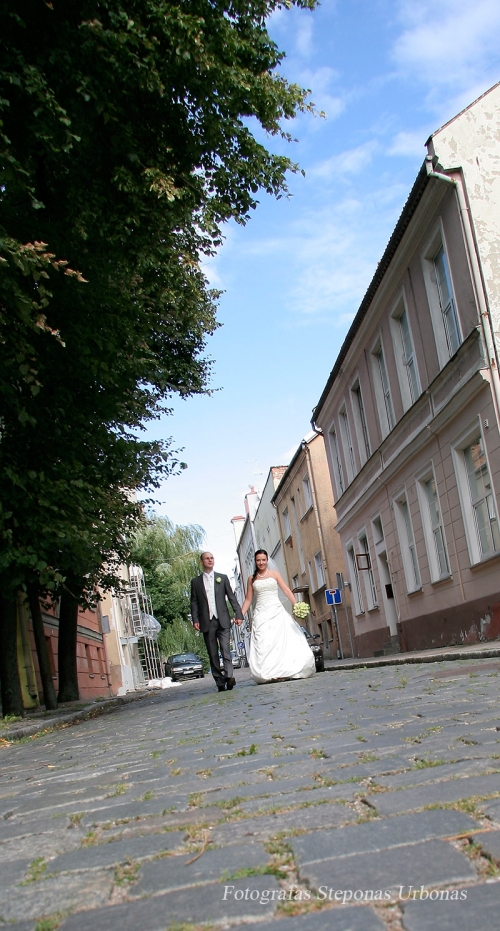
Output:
(36, 722)
(437, 655)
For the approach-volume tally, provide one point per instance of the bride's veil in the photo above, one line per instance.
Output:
(282, 597)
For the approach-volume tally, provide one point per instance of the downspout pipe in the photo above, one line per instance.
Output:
(477, 279)
(319, 432)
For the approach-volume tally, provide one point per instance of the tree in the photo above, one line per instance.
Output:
(170, 556)
(125, 145)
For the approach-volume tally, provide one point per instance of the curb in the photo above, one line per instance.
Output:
(403, 659)
(53, 724)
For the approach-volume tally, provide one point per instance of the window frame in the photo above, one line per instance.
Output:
(410, 392)
(287, 523)
(407, 544)
(347, 444)
(308, 499)
(318, 562)
(369, 578)
(360, 422)
(435, 242)
(354, 579)
(338, 472)
(435, 572)
(383, 394)
(472, 533)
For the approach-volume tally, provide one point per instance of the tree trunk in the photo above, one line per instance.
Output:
(68, 623)
(49, 693)
(12, 699)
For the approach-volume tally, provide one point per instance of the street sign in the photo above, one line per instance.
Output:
(333, 596)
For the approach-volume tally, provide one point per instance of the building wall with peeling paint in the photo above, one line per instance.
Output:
(471, 141)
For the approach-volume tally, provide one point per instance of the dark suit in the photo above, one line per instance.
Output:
(215, 630)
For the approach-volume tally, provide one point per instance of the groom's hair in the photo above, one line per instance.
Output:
(264, 553)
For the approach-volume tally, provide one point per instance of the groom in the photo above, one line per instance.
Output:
(209, 614)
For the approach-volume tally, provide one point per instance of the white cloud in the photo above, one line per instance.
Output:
(304, 36)
(320, 82)
(410, 143)
(350, 162)
(447, 44)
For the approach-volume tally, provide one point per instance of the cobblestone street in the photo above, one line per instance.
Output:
(359, 800)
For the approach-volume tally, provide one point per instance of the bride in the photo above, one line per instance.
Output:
(278, 648)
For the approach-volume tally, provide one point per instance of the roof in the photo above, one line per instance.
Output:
(409, 208)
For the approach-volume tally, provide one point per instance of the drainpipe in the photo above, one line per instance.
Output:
(321, 538)
(477, 279)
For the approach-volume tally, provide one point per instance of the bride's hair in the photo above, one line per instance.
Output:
(264, 553)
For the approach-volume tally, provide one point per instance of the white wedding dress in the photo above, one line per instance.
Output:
(278, 648)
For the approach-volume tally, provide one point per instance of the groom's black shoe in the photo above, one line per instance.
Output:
(222, 688)
(230, 683)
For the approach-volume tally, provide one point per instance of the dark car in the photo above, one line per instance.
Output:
(319, 658)
(184, 666)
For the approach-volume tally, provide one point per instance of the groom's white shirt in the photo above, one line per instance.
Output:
(209, 583)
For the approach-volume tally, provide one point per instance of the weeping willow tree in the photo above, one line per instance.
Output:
(169, 555)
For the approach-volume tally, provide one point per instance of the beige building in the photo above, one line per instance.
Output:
(311, 545)
(411, 408)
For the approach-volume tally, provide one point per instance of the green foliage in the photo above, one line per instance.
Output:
(170, 557)
(126, 144)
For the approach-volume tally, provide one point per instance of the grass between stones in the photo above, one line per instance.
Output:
(423, 763)
(36, 870)
(51, 922)
(126, 873)
(119, 789)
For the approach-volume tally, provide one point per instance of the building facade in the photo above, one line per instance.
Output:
(131, 634)
(311, 546)
(266, 523)
(410, 411)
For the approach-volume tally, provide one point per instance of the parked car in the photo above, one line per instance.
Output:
(184, 666)
(236, 658)
(319, 658)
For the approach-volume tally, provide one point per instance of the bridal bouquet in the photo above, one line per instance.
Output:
(301, 610)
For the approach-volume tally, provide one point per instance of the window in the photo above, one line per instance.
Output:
(297, 535)
(286, 524)
(441, 299)
(295, 584)
(337, 464)
(378, 530)
(433, 528)
(407, 544)
(361, 425)
(355, 586)
(446, 302)
(405, 357)
(481, 497)
(347, 443)
(371, 591)
(320, 574)
(383, 392)
(306, 484)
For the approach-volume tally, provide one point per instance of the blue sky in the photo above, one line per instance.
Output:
(387, 73)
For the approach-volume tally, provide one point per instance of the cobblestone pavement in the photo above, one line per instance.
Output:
(359, 800)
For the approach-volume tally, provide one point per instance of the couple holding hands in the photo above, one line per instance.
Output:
(278, 648)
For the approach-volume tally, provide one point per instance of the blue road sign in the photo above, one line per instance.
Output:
(333, 596)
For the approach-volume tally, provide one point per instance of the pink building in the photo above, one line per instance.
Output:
(410, 412)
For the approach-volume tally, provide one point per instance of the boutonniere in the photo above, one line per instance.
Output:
(218, 579)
